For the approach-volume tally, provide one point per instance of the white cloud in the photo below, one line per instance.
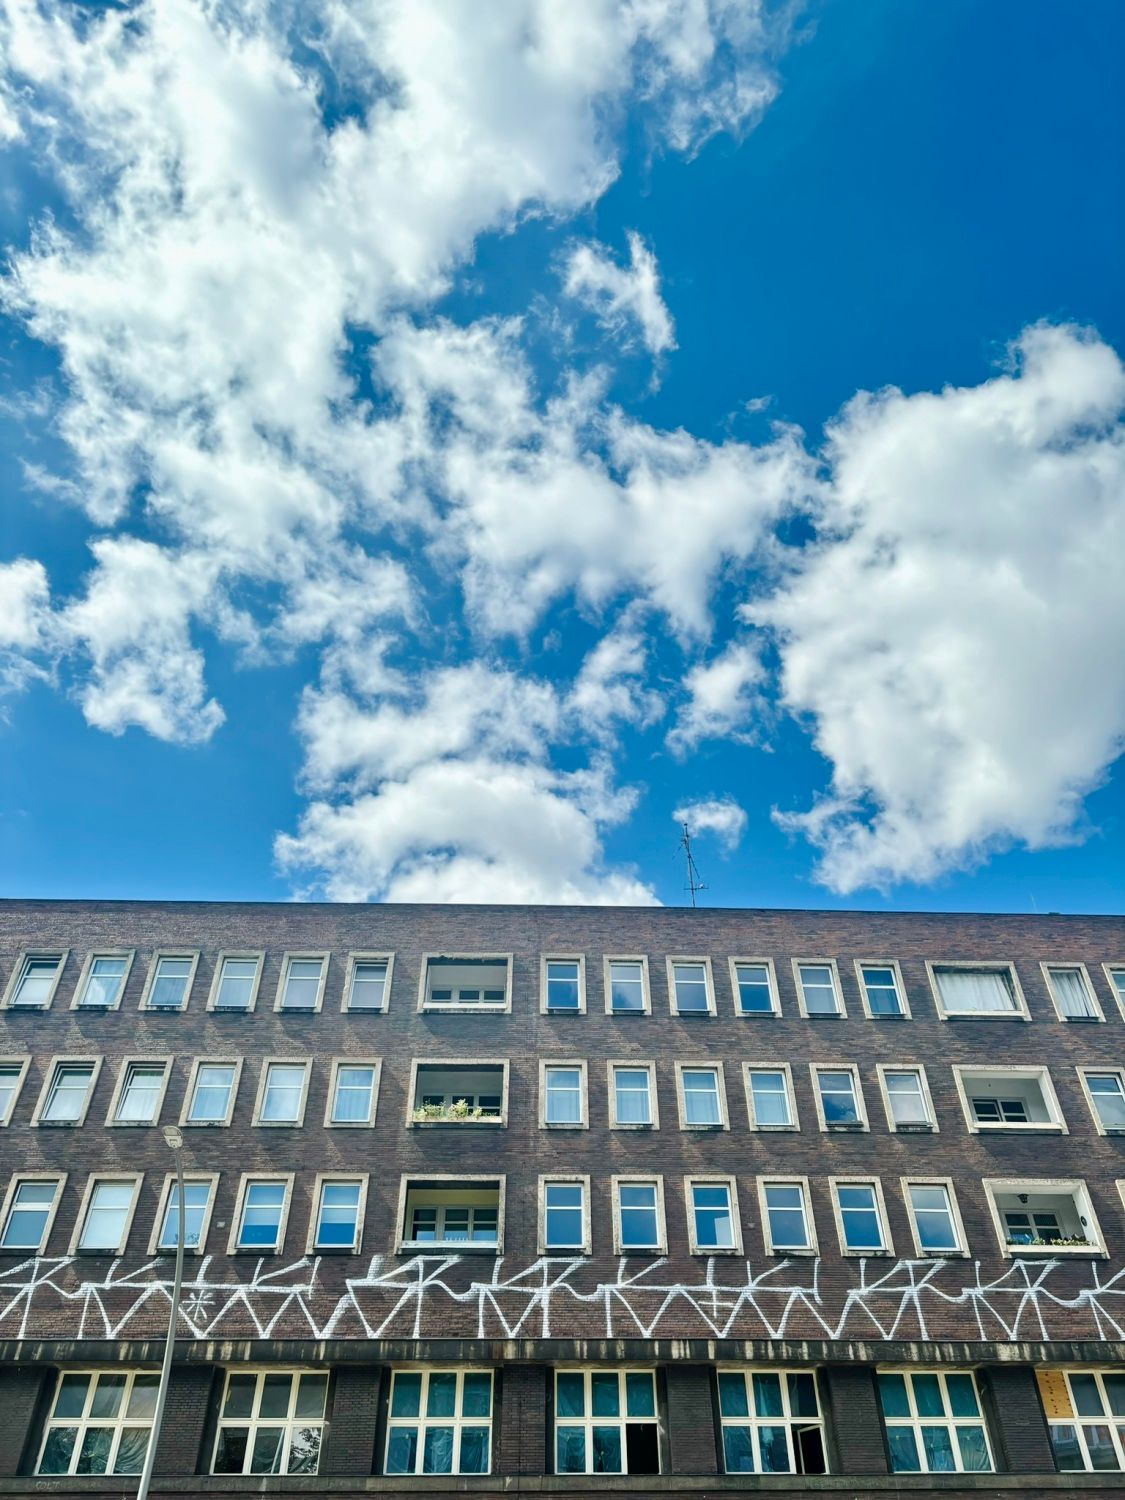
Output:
(956, 638)
(621, 297)
(721, 816)
(724, 696)
(610, 686)
(25, 620)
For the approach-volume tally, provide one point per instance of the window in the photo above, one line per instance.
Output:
(169, 981)
(439, 1422)
(13, 1071)
(353, 1095)
(1072, 993)
(301, 986)
(771, 1422)
(839, 1098)
(211, 1092)
(769, 1096)
(785, 1215)
(235, 986)
(1052, 1215)
(1085, 1412)
(100, 1422)
(713, 1222)
(934, 1219)
(818, 989)
(102, 981)
(702, 1096)
(67, 1092)
(35, 979)
(933, 1423)
(755, 987)
(462, 1213)
(638, 1214)
(626, 986)
(689, 987)
(562, 1092)
(281, 1093)
(338, 1217)
(271, 1423)
(263, 1208)
(460, 1093)
(468, 982)
(1115, 973)
(1008, 1098)
(107, 1211)
(140, 1092)
(1105, 1094)
(563, 985)
(882, 991)
(199, 1194)
(368, 982)
(29, 1211)
(565, 1221)
(987, 992)
(605, 1422)
(861, 1216)
(906, 1095)
(632, 1088)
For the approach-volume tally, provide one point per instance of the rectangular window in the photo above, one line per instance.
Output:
(13, 1071)
(605, 1422)
(101, 987)
(860, 1216)
(907, 1098)
(368, 982)
(703, 1104)
(338, 1222)
(713, 1224)
(271, 1422)
(638, 1214)
(100, 1422)
(633, 1092)
(1115, 973)
(260, 1224)
(689, 987)
(785, 1215)
(1105, 1090)
(626, 986)
(236, 981)
(566, 1224)
(564, 1094)
(353, 1094)
(983, 991)
(468, 982)
(1072, 993)
(933, 1217)
(771, 1422)
(140, 1093)
(301, 986)
(769, 1094)
(1085, 1412)
(29, 1212)
(818, 989)
(459, 1212)
(883, 995)
(933, 1423)
(67, 1094)
(466, 1093)
(169, 981)
(109, 1211)
(197, 1205)
(564, 985)
(1006, 1098)
(1049, 1215)
(755, 989)
(839, 1098)
(439, 1422)
(211, 1093)
(35, 980)
(282, 1097)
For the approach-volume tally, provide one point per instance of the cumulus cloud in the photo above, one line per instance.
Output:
(610, 687)
(721, 816)
(622, 296)
(25, 620)
(723, 699)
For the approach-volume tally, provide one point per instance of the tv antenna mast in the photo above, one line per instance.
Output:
(694, 883)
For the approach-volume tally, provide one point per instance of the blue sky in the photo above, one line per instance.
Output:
(433, 457)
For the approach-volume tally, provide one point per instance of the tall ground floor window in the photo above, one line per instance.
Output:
(439, 1422)
(100, 1422)
(772, 1422)
(271, 1422)
(934, 1422)
(1085, 1411)
(605, 1422)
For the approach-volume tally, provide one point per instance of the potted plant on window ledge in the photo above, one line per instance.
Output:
(458, 1112)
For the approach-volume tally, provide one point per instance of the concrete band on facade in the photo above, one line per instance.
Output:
(520, 1311)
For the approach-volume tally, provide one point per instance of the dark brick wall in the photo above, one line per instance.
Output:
(1016, 1420)
(186, 1412)
(22, 1393)
(350, 1447)
(692, 1440)
(855, 1424)
(520, 1445)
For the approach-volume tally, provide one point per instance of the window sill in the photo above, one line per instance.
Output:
(255, 1250)
(465, 1010)
(855, 1127)
(365, 1010)
(789, 1254)
(758, 1015)
(457, 1124)
(918, 1127)
(446, 1247)
(634, 1127)
(334, 1250)
(98, 1254)
(163, 1010)
(619, 1015)
(713, 1128)
(983, 1015)
(1019, 1127)
(694, 1015)
(1080, 1252)
(868, 1254)
(564, 1125)
(562, 1010)
(701, 1251)
(1082, 1020)
(887, 1016)
(129, 1124)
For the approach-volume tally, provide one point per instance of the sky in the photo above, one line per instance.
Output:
(444, 449)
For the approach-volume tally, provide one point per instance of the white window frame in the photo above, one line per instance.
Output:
(127, 1063)
(703, 1065)
(65, 1060)
(289, 1422)
(95, 1178)
(419, 1064)
(881, 1071)
(328, 1179)
(708, 985)
(128, 954)
(565, 1179)
(374, 1063)
(301, 956)
(1076, 1186)
(1040, 1073)
(583, 1121)
(638, 1179)
(244, 1183)
(1118, 1073)
(790, 1422)
(20, 1061)
(766, 1066)
(841, 1012)
(211, 1179)
(636, 1065)
(239, 955)
(859, 1180)
(188, 955)
(646, 988)
(862, 1124)
(787, 1179)
(1091, 993)
(900, 988)
(456, 1422)
(1107, 1420)
(305, 1064)
(1119, 995)
(405, 1246)
(771, 978)
(120, 1424)
(59, 1179)
(950, 1423)
(562, 958)
(469, 1007)
(1020, 1013)
(713, 1179)
(354, 959)
(27, 956)
(962, 1247)
(189, 1093)
(588, 1421)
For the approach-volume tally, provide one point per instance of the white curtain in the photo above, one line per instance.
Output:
(967, 990)
(1074, 998)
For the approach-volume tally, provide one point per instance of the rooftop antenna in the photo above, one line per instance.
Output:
(694, 883)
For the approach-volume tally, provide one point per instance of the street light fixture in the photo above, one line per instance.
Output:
(174, 1140)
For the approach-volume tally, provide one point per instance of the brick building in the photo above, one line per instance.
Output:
(497, 1199)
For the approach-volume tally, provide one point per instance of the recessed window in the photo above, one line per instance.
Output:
(104, 979)
(13, 1071)
(198, 1194)
(30, 1209)
(169, 981)
(771, 1422)
(755, 990)
(933, 1423)
(1052, 1215)
(263, 1209)
(236, 981)
(713, 1216)
(461, 1213)
(1115, 973)
(109, 1211)
(769, 1094)
(785, 1215)
(689, 986)
(1105, 1089)
(1008, 1098)
(566, 1220)
(281, 1100)
(353, 1093)
(563, 1086)
(605, 1422)
(1085, 1412)
(100, 1422)
(211, 1093)
(933, 1217)
(271, 1423)
(703, 1104)
(626, 985)
(860, 1216)
(839, 1098)
(35, 980)
(907, 1096)
(368, 982)
(883, 995)
(338, 1218)
(1072, 993)
(977, 991)
(564, 988)
(456, 1093)
(818, 989)
(140, 1093)
(632, 1095)
(439, 1422)
(302, 981)
(638, 1214)
(67, 1094)
(466, 983)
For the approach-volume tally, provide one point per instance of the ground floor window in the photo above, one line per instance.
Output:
(1085, 1412)
(934, 1423)
(772, 1422)
(440, 1422)
(100, 1422)
(605, 1422)
(271, 1422)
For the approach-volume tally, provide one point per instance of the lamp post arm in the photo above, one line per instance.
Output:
(169, 1342)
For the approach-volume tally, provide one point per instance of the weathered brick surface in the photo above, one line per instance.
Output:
(190, 1393)
(522, 1436)
(350, 1445)
(691, 1420)
(23, 1389)
(1016, 1419)
(851, 1397)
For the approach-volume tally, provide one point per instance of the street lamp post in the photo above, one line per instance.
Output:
(174, 1141)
